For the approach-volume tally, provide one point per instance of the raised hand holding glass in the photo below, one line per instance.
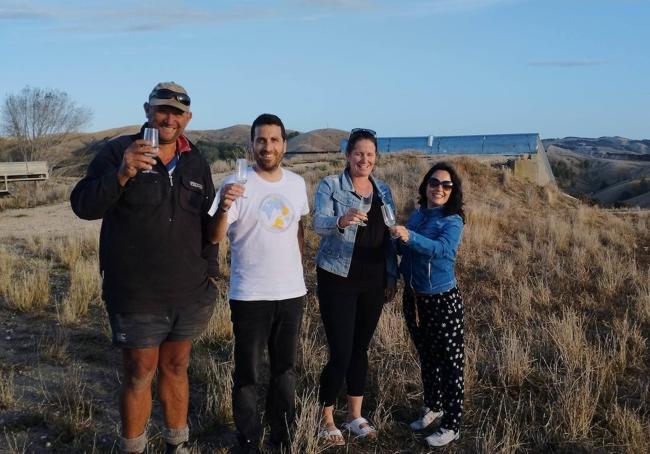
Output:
(241, 172)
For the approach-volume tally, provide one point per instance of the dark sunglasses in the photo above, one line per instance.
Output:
(165, 93)
(434, 182)
(363, 131)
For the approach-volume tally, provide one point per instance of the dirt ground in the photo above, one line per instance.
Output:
(44, 220)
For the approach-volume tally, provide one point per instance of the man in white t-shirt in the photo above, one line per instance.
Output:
(262, 218)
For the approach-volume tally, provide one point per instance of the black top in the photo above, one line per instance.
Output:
(153, 248)
(368, 261)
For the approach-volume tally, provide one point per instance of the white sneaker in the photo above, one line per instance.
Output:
(442, 437)
(427, 417)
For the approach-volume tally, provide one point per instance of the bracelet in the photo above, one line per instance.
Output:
(337, 223)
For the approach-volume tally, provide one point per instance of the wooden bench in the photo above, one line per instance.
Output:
(21, 171)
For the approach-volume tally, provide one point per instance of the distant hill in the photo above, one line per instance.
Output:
(609, 170)
(318, 140)
(236, 135)
(71, 157)
(604, 147)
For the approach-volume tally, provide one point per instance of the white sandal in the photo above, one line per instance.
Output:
(354, 426)
(333, 436)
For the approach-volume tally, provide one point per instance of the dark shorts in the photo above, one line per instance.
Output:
(144, 330)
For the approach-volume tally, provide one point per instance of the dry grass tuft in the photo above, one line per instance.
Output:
(85, 288)
(569, 338)
(32, 194)
(219, 329)
(8, 263)
(308, 414)
(514, 363)
(17, 443)
(70, 408)
(629, 428)
(68, 250)
(54, 347)
(578, 393)
(27, 289)
(218, 401)
(7, 389)
(642, 297)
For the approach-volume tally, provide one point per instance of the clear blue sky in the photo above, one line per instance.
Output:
(402, 67)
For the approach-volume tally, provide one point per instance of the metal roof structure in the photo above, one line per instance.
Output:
(521, 146)
(497, 144)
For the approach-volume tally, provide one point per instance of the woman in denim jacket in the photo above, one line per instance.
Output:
(357, 272)
(433, 306)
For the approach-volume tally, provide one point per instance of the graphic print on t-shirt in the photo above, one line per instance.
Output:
(276, 213)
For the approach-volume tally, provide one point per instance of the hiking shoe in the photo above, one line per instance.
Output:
(427, 417)
(442, 437)
(181, 448)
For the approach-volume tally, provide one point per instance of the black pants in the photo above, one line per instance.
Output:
(258, 325)
(436, 328)
(350, 316)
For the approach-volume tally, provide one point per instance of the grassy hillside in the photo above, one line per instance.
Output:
(557, 311)
(602, 177)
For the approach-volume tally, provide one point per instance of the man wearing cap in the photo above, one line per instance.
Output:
(157, 264)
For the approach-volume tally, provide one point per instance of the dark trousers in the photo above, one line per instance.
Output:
(258, 325)
(350, 316)
(435, 323)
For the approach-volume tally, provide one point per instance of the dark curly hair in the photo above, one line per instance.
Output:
(455, 203)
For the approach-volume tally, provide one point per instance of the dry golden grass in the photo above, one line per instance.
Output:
(70, 408)
(557, 304)
(16, 443)
(27, 288)
(7, 390)
(218, 404)
(85, 288)
(513, 362)
(642, 297)
(8, 263)
(31, 194)
(54, 347)
(633, 432)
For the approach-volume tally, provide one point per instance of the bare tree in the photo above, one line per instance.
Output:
(41, 118)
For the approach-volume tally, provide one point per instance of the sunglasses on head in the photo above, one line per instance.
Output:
(446, 184)
(363, 131)
(165, 93)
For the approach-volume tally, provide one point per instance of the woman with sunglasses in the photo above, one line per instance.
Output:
(356, 272)
(433, 306)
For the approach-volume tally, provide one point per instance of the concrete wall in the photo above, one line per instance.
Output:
(535, 167)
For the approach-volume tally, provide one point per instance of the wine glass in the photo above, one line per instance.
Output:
(151, 135)
(365, 203)
(389, 217)
(241, 172)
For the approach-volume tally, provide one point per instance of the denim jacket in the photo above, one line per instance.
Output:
(429, 255)
(334, 196)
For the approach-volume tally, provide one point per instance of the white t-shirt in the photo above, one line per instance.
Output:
(263, 231)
